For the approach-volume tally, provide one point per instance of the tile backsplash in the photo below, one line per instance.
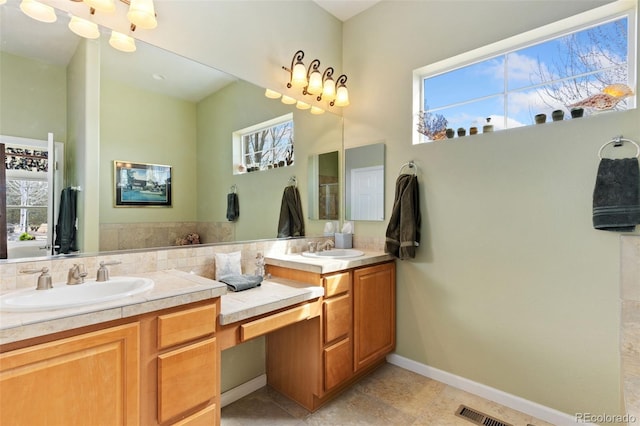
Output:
(198, 259)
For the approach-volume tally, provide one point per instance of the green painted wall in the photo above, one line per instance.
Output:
(511, 287)
(145, 127)
(33, 98)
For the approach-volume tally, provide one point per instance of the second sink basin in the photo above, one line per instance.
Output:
(67, 296)
(334, 254)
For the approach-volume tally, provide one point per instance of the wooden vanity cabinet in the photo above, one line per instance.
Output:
(160, 368)
(92, 378)
(312, 363)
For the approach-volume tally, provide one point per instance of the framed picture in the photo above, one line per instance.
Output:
(141, 184)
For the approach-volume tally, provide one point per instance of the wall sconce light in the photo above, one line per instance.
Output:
(313, 82)
(141, 14)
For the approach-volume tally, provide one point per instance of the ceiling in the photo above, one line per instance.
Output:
(345, 9)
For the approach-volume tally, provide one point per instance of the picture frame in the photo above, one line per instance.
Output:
(141, 184)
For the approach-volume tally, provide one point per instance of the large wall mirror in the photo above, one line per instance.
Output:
(364, 182)
(151, 106)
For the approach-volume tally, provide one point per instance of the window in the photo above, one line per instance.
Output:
(27, 193)
(264, 146)
(579, 62)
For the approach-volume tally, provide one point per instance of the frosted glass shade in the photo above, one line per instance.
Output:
(288, 100)
(122, 42)
(142, 14)
(329, 89)
(299, 75)
(84, 28)
(38, 11)
(317, 111)
(272, 94)
(315, 83)
(342, 96)
(302, 105)
(107, 6)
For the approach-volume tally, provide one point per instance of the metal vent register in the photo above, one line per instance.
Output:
(478, 418)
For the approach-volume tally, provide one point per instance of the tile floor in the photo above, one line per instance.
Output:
(389, 396)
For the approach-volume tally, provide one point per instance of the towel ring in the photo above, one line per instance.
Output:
(411, 165)
(617, 142)
(293, 181)
(233, 189)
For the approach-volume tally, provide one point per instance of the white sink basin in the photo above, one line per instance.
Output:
(67, 296)
(334, 254)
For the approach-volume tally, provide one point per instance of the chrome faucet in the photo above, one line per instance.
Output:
(76, 274)
(323, 246)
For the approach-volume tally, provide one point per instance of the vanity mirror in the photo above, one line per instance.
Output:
(364, 182)
(324, 186)
(149, 122)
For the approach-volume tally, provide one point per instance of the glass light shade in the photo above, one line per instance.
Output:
(122, 42)
(299, 75)
(272, 94)
(342, 96)
(315, 83)
(302, 105)
(38, 11)
(142, 14)
(107, 6)
(288, 100)
(84, 28)
(317, 111)
(329, 89)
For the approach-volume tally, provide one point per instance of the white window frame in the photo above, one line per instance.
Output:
(238, 147)
(602, 14)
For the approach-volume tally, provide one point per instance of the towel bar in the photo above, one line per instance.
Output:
(412, 165)
(617, 141)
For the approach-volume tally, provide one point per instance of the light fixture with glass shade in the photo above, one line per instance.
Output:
(141, 14)
(315, 83)
(272, 94)
(342, 94)
(38, 11)
(288, 100)
(122, 42)
(84, 28)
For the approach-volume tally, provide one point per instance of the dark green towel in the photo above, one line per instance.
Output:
(403, 230)
(616, 196)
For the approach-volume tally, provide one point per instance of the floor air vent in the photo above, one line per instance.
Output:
(478, 418)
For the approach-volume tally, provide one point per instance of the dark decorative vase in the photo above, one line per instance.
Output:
(462, 131)
(557, 115)
(577, 112)
(450, 133)
(473, 130)
(540, 118)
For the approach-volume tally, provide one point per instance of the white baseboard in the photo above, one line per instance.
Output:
(232, 395)
(515, 402)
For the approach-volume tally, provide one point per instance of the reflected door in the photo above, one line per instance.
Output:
(366, 193)
(31, 183)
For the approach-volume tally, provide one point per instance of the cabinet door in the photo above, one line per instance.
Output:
(374, 302)
(90, 379)
(186, 379)
(337, 364)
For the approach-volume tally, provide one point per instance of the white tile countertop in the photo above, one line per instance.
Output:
(272, 294)
(171, 288)
(325, 266)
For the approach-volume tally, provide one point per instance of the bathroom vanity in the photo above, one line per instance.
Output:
(154, 358)
(313, 361)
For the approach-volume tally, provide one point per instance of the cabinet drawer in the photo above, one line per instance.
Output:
(186, 378)
(273, 322)
(338, 360)
(337, 317)
(206, 417)
(183, 326)
(336, 284)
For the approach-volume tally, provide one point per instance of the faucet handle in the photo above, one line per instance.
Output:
(103, 272)
(44, 280)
